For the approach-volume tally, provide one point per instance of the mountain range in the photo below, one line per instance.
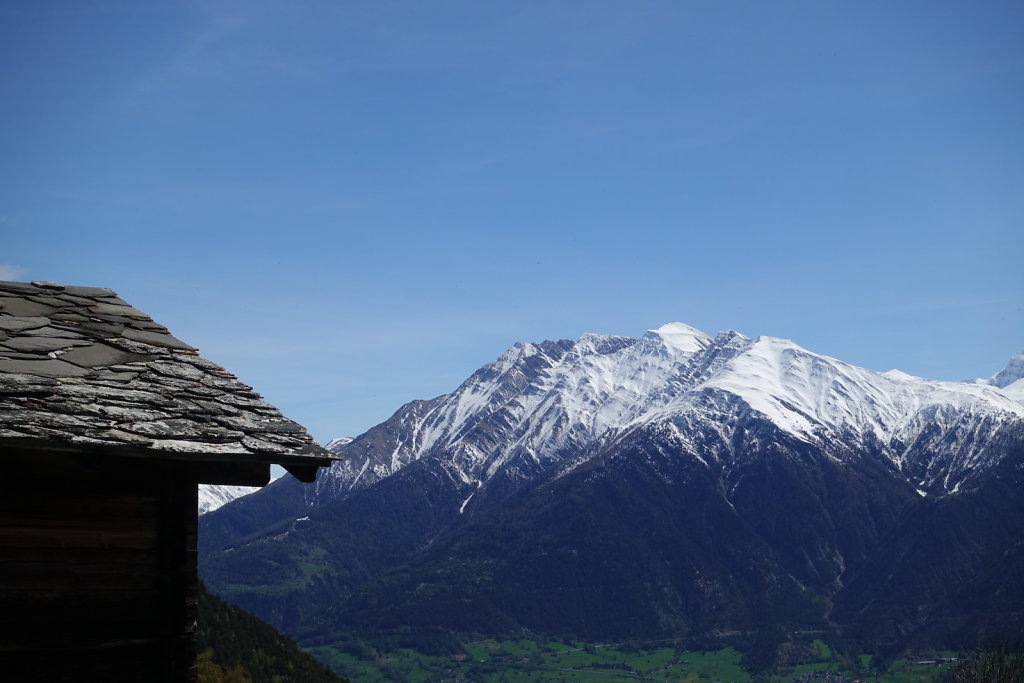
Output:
(669, 485)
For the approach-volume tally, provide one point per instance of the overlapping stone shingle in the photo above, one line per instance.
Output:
(82, 366)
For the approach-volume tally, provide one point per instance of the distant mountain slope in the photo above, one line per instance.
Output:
(212, 496)
(614, 486)
(1013, 372)
(521, 414)
(1010, 380)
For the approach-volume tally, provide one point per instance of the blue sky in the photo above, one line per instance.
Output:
(355, 204)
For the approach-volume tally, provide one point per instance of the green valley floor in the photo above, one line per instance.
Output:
(528, 661)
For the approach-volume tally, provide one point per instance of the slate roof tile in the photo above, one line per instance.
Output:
(16, 323)
(90, 292)
(118, 310)
(100, 355)
(44, 344)
(50, 331)
(21, 363)
(81, 366)
(15, 306)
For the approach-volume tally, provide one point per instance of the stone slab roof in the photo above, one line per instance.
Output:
(82, 369)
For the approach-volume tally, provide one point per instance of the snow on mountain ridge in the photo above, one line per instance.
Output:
(334, 444)
(801, 391)
(682, 337)
(1009, 380)
(213, 496)
(1015, 391)
(537, 402)
(1013, 372)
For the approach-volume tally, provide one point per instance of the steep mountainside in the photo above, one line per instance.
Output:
(669, 484)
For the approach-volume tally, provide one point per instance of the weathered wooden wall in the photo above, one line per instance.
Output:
(97, 568)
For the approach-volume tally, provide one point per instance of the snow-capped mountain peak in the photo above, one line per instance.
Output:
(899, 375)
(1013, 372)
(680, 338)
(1009, 380)
(544, 407)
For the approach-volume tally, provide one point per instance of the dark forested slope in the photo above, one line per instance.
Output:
(234, 645)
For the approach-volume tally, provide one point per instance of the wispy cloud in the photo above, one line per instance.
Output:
(9, 272)
(229, 41)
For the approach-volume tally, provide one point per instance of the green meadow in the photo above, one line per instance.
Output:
(490, 660)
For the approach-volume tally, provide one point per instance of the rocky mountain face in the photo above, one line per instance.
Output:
(665, 485)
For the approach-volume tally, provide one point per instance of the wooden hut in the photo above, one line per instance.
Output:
(107, 425)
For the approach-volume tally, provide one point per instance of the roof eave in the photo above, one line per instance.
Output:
(302, 466)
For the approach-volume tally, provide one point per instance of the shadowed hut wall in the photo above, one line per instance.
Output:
(97, 567)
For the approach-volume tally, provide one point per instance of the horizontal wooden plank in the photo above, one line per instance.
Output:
(83, 503)
(120, 614)
(123, 660)
(127, 557)
(128, 664)
(51, 596)
(36, 573)
(72, 524)
(76, 623)
(84, 634)
(34, 537)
